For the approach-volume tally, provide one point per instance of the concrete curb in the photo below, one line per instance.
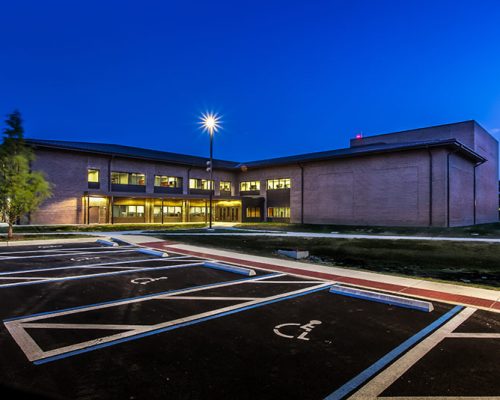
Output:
(382, 298)
(107, 243)
(230, 268)
(157, 253)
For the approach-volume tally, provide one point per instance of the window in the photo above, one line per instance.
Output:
(168, 211)
(201, 184)
(225, 186)
(249, 186)
(125, 178)
(196, 211)
(253, 212)
(93, 175)
(119, 178)
(137, 179)
(282, 183)
(278, 212)
(128, 211)
(168, 181)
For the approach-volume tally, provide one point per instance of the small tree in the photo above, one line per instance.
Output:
(21, 190)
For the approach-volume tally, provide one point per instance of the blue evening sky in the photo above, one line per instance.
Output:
(289, 77)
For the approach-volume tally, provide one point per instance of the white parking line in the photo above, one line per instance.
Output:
(35, 325)
(67, 254)
(460, 335)
(208, 298)
(34, 353)
(288, 282)
(97, 265)
(6, 253)
(22, 278)
(387, 377)
(120, 272)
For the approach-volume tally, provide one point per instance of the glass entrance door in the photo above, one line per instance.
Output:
(228, 214)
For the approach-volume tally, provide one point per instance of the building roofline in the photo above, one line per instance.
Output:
(168, 157)
(360, 151)
(468, 121)
(200, 162)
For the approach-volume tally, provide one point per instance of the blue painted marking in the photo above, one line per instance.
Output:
(358, 380)
(71, 278)
(172, 327)
(136, 298)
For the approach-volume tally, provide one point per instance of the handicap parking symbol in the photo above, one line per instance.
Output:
(145, 281)
(302, 330)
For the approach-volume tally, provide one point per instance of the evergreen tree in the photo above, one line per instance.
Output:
(21, 190)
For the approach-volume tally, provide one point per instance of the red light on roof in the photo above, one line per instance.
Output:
(359, 136)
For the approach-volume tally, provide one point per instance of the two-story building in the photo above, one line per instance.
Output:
(444, 175)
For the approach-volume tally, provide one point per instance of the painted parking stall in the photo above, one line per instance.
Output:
(181, 326)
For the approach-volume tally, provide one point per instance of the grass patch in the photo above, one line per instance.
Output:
(465, 262)
(18, 238)
(100, 228)
(205, 230)
(484, 230)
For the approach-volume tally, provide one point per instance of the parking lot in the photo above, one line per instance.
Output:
(91, 320)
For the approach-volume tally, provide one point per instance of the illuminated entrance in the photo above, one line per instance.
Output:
(96, 210)
(227, 211)
(119, 210)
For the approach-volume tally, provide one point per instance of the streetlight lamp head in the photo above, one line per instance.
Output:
(210, 122)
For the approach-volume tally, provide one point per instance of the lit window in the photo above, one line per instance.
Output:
(275, 184)
(278, 212)
(168, 181)
(137, 179)
(128, 211)
(225, 186)
(125, 178)
(249, 186)
(168, 211)
(197, 211)
(93, 175)
(201, 184)
(119, 178)
(253, 212)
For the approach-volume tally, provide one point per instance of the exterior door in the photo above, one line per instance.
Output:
(94, 215)
(228, 214)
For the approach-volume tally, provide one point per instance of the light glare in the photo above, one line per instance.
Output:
(210, 122)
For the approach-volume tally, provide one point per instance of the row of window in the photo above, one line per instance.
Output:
(272, 184)
(131, 178)
(168, 211)
(272, 212)
(195, 211)
(278, 212)
(128, 211)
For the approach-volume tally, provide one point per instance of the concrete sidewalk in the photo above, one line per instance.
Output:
(444, 292)
(337, 236)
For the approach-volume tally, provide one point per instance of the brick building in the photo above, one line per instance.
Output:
(444, 175)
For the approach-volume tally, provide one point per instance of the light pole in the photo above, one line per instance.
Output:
(210, 123)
